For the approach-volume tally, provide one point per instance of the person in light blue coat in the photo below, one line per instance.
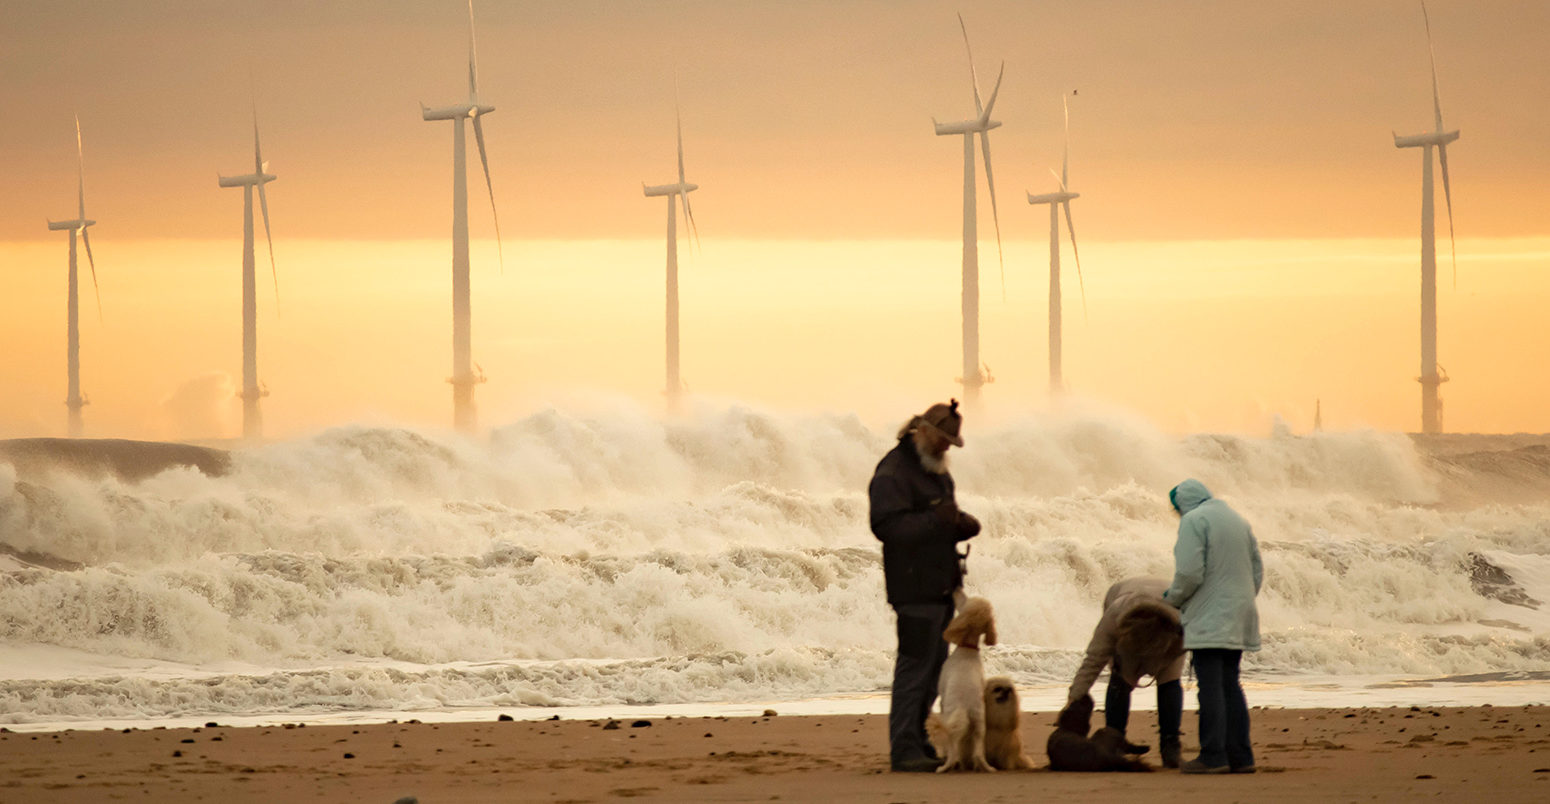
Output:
(1217, 574)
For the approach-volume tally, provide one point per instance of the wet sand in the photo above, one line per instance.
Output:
(1495, 754)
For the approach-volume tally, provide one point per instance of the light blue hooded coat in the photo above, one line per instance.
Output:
(1217, 572)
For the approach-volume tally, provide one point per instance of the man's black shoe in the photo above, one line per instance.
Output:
(917, 765)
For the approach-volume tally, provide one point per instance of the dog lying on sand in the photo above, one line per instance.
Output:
(1070, 749)
(958, 733)
(1003, 737)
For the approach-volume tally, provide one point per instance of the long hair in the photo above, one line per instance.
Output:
(1148, 639)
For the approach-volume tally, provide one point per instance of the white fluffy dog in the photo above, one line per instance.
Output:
(959, 732)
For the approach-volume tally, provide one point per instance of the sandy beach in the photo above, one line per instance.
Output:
(1336, 755)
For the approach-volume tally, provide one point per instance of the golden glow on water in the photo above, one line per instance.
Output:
(1195, 335)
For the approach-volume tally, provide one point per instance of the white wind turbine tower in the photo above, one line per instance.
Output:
(1057, 201)
(73, 399)
(676, 192)
(1431, 375)
(252, 422)
(981, 124)
(464, 375)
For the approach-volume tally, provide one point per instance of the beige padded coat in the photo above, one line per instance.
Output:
(1121, 598)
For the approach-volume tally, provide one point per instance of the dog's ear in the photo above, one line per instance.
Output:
(955, 629)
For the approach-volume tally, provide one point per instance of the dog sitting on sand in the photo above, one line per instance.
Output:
(1003, 737)
(1070, 749)
(958, 733)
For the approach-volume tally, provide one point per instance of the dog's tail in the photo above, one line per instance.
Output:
(941, 732)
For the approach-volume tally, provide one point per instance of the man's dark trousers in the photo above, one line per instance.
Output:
(1116, 704)
(1224, 714)
(915, 672)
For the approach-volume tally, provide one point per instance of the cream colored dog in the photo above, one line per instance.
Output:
(959, 732)
(1003, 735)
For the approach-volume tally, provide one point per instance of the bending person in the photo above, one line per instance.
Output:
(1138, 635)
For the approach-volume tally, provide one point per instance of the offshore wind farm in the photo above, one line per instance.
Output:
(593, 539)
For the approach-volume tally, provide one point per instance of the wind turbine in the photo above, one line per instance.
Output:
(464, 375)
(678, 191)
(980, 124)
(73, 399)
(1057, 201)
(1431, 374)
(252, 422)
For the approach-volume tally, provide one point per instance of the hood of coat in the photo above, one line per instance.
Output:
(1188, 496)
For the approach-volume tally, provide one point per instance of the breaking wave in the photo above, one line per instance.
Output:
(569, 559)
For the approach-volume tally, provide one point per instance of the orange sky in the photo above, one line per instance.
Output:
(1210, 140)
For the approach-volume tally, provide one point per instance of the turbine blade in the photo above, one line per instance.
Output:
(263, 205)
(1058, 180)
(1447, 193)
(990, 179)
(689, 219)
(473, 60)
(1081, 283)
(80, 172)
(86, 239)
(985, 115)
(1432, 52)
(1065, 160)
(678, 116)
(485, 161)
(973, 78)
(258, 152)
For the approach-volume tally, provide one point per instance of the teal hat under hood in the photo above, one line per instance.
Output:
(1188, 496)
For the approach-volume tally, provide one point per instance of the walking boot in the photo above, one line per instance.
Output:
(1169, 751)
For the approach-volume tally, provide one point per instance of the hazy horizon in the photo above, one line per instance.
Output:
(1249, 233)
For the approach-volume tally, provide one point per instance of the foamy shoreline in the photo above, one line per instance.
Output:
(1268, 691)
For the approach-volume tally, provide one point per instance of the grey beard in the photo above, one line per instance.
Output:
(936, 464)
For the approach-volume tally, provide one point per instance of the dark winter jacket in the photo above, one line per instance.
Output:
(920, 557)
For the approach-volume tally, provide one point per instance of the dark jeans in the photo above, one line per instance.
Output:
(1116, 704)
(1224, 714)
(915, 671)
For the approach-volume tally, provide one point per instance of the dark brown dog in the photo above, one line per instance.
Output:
(1070, 749)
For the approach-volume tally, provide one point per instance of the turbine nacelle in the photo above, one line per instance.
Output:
(247, 180)
(460, 111)
(63, 226)
(677, 188)
(1052, 198)
(1430, 138)
(965, 126)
